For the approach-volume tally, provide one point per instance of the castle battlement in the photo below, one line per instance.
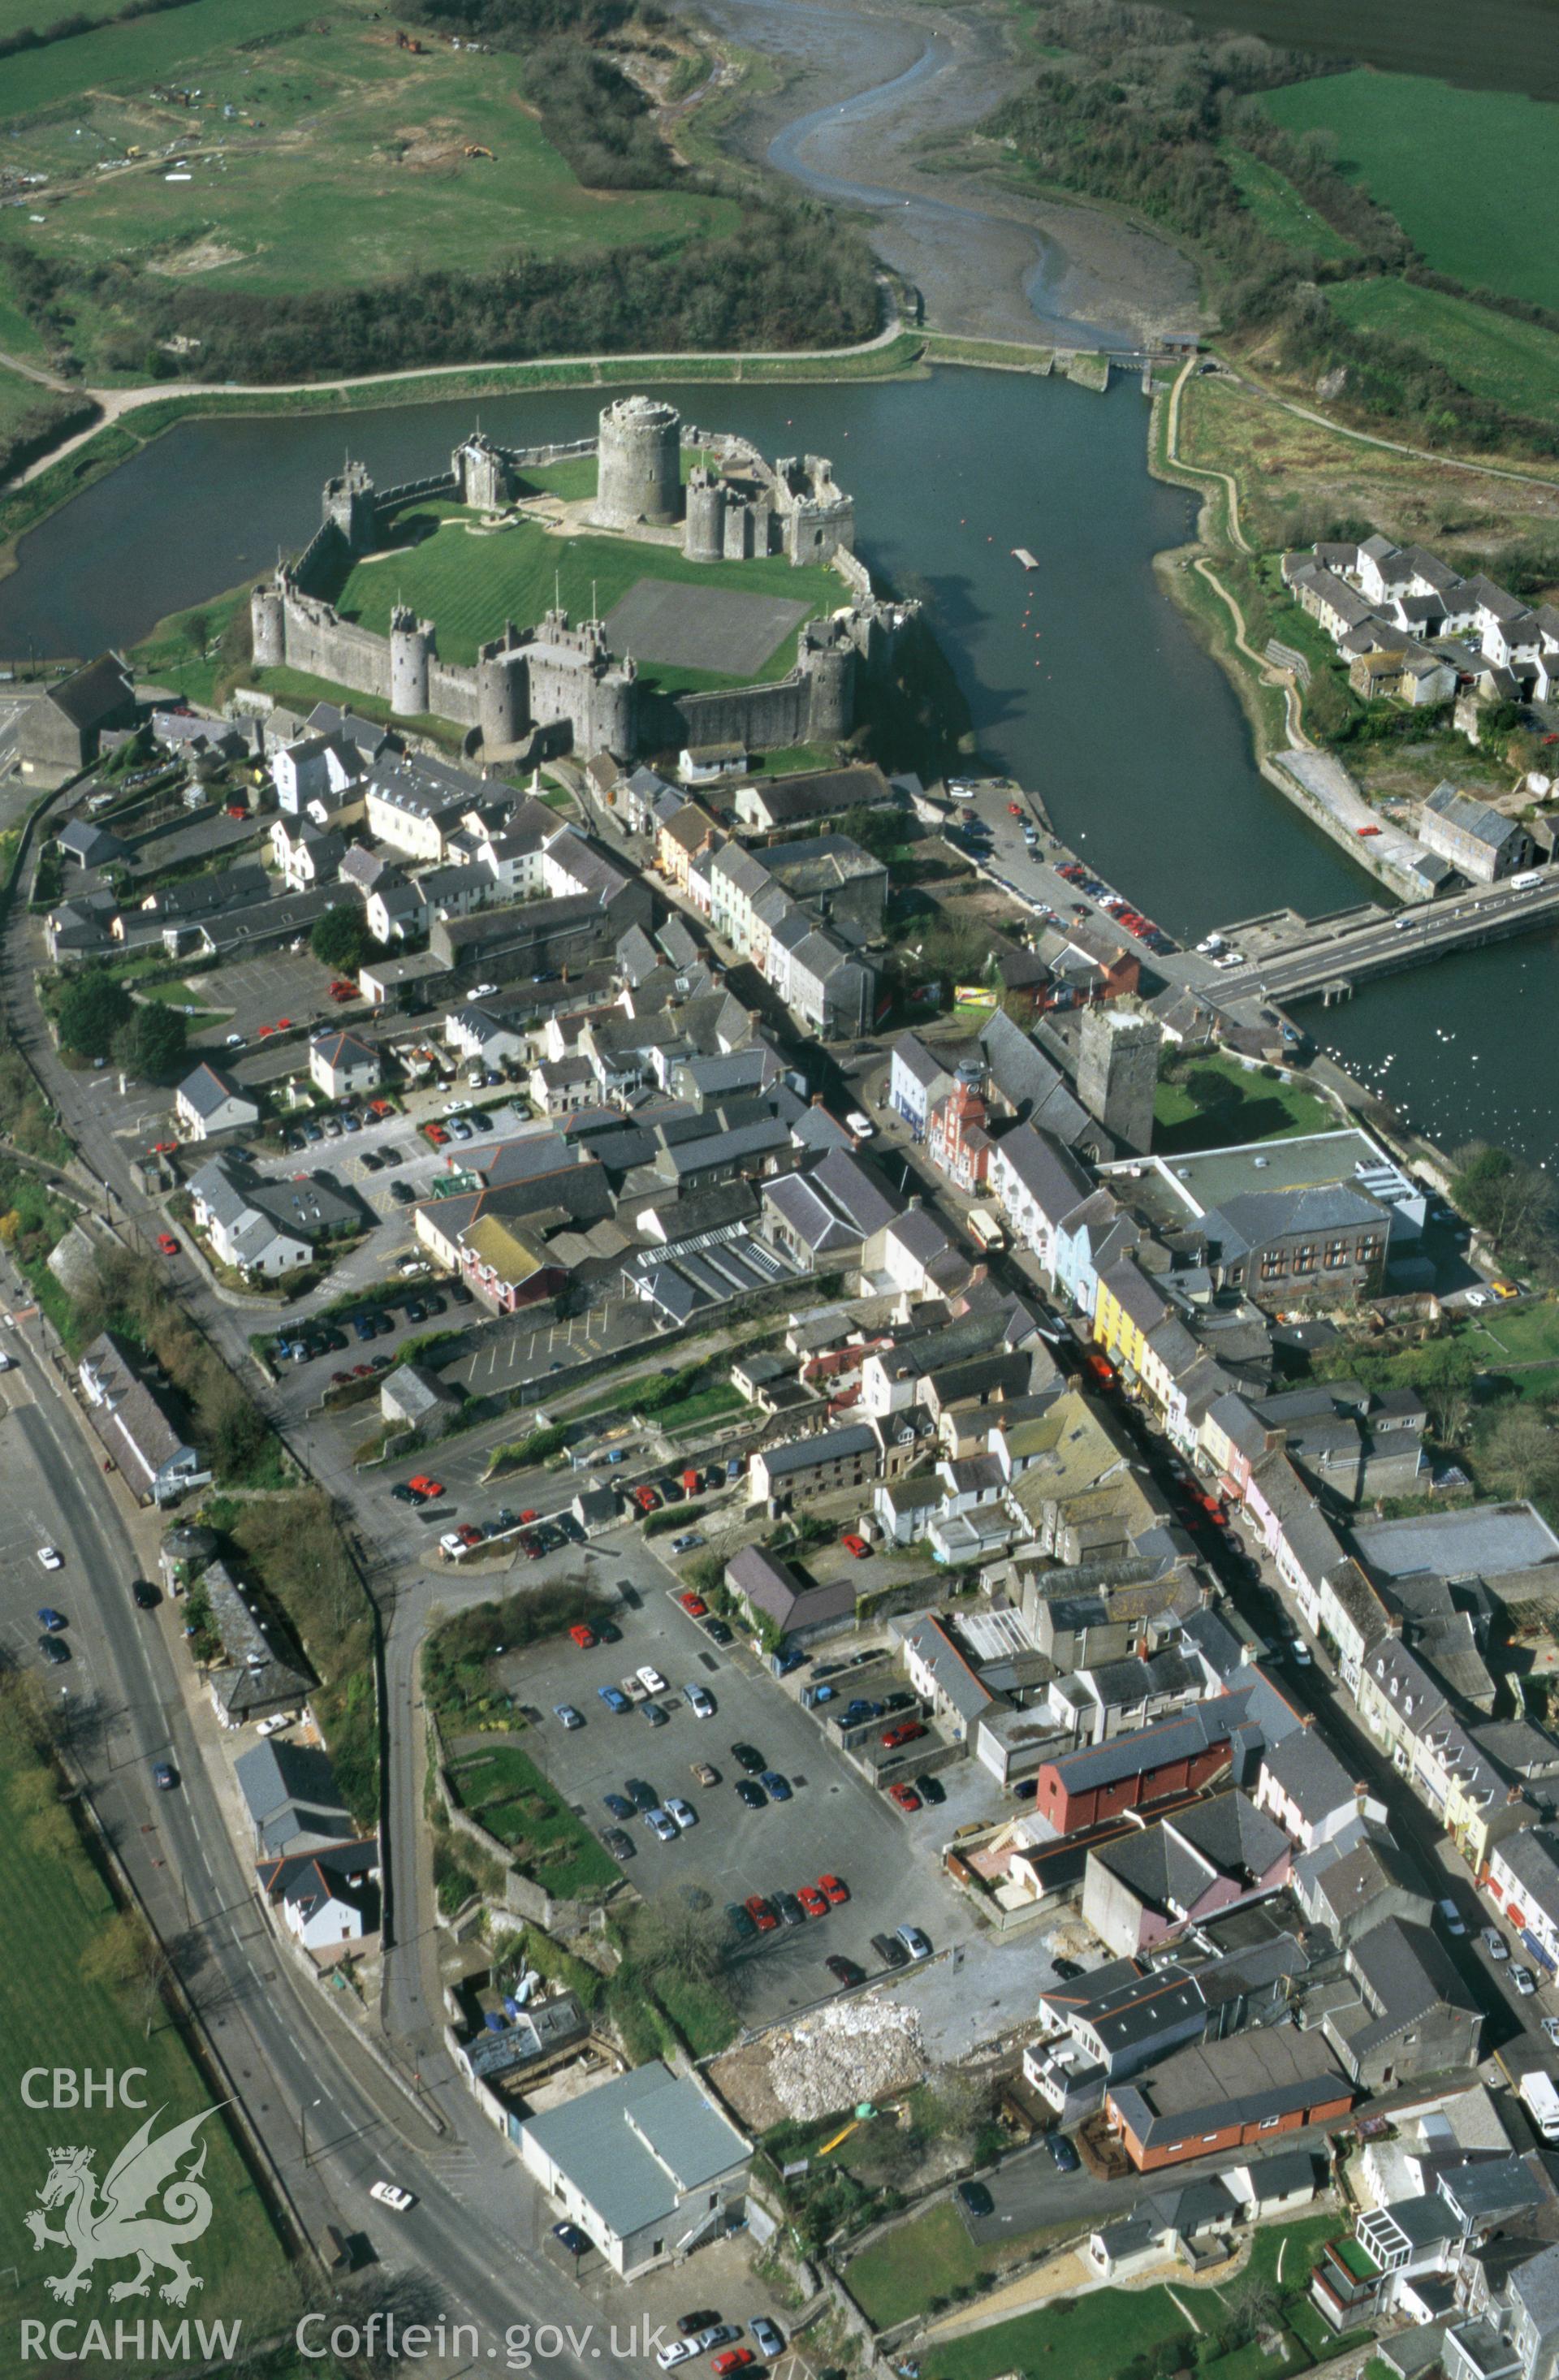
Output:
(557, 686)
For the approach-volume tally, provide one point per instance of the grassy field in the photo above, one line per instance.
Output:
(1093, 2337)
(1209, 1102)
(1528, 1333)
(1514, 364)
(901, 2273)
(344, 159)
(1279, 210)
(1292, 473)
(56, 1907)
(507, 1794)
(1515, 49)
(471, 583)
(1456, 168)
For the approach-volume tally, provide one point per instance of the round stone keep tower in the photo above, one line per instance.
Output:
(705, 538)
(499, 682)
(411, 647)
(829, 665)
(267, 619)
(640, 473)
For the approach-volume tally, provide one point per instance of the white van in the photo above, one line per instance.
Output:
(1524, 883)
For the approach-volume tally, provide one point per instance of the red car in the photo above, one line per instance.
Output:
(427, 1486)
(904, 1795)
(693, 1605)
(832, 1891)
(168, 1245)
(1014, 810)
(436, 1133)
(646, 1499)
(283, 1024)
(761, 1913)
(905, 1732)
(528, 1516)
(583, 1637)
(237, 809)
(469, 1534)
(265, 1031)
(340, 1380)
(815, 1902)
(380, 1107)
(341, 989)
(856, 1547)
(362, 1372)
(736, 2359)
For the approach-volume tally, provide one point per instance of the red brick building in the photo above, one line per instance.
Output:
(1170, 1756)
(1227, 2095)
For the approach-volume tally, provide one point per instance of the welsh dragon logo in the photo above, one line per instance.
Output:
(121, 2217)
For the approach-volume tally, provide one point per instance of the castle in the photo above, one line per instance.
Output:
(556, 686)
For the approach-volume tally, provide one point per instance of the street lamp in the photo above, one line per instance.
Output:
(303, 2108)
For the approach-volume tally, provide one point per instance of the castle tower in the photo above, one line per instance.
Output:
(1118, 1071)
(639, 470)
(267, 617)
(611, 712)
(500, 693)
(348, 502)
(828, 663)
(705, 537)
(412, 644)
(481, 474)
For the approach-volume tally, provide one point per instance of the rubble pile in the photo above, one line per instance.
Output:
(841, 2055)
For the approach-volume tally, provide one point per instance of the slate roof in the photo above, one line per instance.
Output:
(207, 1090)
(1312, 1776)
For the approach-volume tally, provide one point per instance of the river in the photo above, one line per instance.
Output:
(1083, 680)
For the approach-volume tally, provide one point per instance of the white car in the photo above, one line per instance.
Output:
(1523, 1981)
(390, 2193)
(701, 1700)
(683, 1812)
(451, 1545)
(1479, 1297)
(680, 2351)
(482, 990)
(1495, 1945)
(662, 1825)
(235, 1042)
(51, 1557)
(650, 1679)
(1299, 1651)
(274, 1724)
(8, 1363)
(917, 1943)
(456, 1107)
(687, 1541)
(862, 1127)
(1551, 2026)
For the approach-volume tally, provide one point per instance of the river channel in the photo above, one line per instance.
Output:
(1082, 679)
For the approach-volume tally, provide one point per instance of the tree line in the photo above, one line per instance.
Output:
(785, 277)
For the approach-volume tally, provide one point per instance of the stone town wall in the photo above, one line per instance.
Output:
(321, 642)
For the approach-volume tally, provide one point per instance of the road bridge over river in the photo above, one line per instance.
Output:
(1327, 958)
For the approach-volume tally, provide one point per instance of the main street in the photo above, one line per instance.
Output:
(331, 2121)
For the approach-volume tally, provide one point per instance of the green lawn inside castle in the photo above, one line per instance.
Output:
(443, 565)
(651, 588)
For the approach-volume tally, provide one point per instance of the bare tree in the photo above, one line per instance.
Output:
(1520, 1454)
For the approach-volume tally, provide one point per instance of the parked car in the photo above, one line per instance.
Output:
(776, 1787)
(661, 1825)
(915, 1941)
(833, 1890)
(621, 1846)
(740, 1924)
(699, 1699)
(767, 2335)
(1063, 2155)
(54, 1651)
(1525, 1981)
(748, 1758)
(975, 2199)
(51, 1619)
(752, 1796)
(904, 1795)
(583, 1637)
(845, 1972)
(815, 1902)
(570, 1717)
(618, 1804)
(51, 1557)
(856, 1547)
(693, 2326)
(615, 1699)
(906, 1731)
(650, 1679)
(1495, 1943)
(654, 1714)
(569, 2236)
(891, 1950)
(790, 1909)
(705, 1773)
(682, 1811)
(718, 1630)
(760, 1912)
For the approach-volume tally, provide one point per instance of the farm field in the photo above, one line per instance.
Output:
(469, 584)
(1514, 364)
(1456, 168)
(52, 2014)
(1515, 49)
(1279, 208)
(343, 162)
